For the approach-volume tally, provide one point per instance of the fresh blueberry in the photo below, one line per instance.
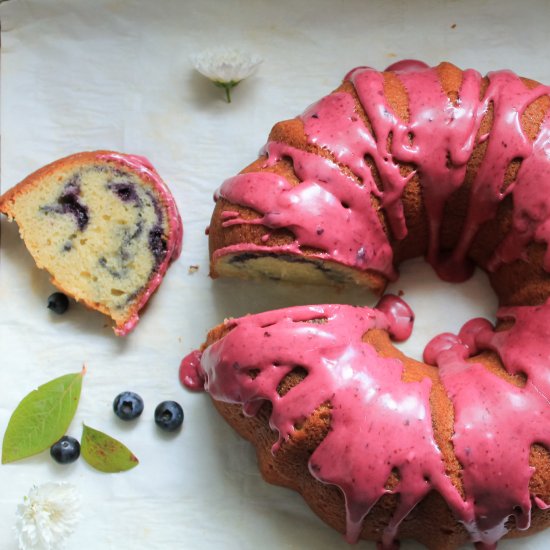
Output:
(128, 405)
(66, 450)
(169, 416)
(58, 303)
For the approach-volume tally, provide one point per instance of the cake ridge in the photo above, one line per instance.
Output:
(440, 141)
(364, 390)
(464, 170)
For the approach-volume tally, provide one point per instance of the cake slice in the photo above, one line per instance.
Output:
(105, 227)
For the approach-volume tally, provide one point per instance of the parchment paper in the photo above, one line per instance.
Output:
(80, 75)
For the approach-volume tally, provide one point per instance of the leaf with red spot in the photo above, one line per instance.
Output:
(104, 453)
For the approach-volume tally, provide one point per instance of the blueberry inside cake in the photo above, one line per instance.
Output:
(104, 225)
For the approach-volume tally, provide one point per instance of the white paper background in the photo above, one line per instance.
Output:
(80, 75)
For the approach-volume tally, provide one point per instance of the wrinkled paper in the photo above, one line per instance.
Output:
(112, 74)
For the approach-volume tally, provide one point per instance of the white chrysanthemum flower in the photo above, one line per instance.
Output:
(47, 516)
(226, 67)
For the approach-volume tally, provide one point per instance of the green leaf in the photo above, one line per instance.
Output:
(105, 453)
(42, 417)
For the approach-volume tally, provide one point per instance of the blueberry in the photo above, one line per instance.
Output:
(169, 416)
(70, 205)
(58, 303)
(66, 450)
(128, 405)
(157, 243)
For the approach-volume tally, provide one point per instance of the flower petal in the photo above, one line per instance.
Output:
(226, 65)
(47, 516)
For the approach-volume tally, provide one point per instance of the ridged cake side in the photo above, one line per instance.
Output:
(413, 161)
(383, 447)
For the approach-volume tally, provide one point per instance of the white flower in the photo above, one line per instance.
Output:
(47, 516)
(226, 67)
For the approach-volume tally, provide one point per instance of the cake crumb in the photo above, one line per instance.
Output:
(453, 26)
(193, 269)
(400, 293)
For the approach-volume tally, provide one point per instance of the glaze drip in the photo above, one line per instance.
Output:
(438, 138)
(524, 348)
(497, 422)
(165, 249)
(531, 215)
(340, 222)
(506, 142)
(365, 393)
(190, 371)
(436, 142)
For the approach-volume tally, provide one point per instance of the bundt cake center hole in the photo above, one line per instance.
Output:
(440, 306)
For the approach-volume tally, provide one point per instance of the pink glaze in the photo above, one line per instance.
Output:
(531, 217)
(496, 422)
(524, 348)
(407, 65)
(437, 141)
(506, 142)
(378, 422)
(438, 138)
(339, 220)
(189, 371)
(399, 314)
(145, 170)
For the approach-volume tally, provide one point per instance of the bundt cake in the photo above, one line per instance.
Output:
(105, 227)
(383, 447)
(392, 165)
(412, 161)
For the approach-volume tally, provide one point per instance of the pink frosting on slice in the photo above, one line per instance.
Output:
(145, 170)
